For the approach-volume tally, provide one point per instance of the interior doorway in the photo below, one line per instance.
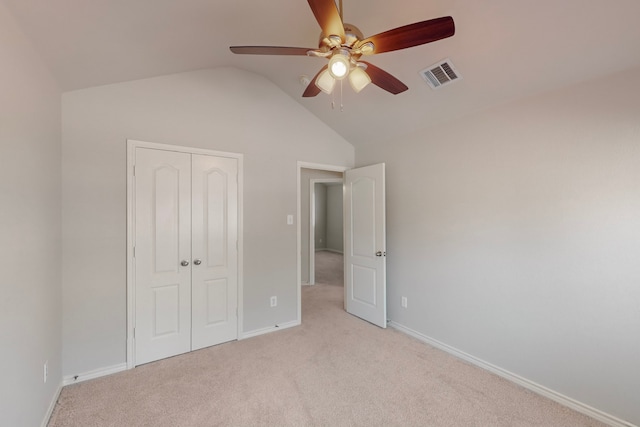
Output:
(364, 238)
(326, 231)
(307, 172)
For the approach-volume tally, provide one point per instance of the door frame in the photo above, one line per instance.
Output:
(312, 220)
(316, 166)
(131, 148)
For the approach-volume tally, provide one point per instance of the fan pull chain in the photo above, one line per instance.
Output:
(333, 99)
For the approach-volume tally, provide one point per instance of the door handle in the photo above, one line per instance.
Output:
(184, 263)
(197, 261)
(379, 253)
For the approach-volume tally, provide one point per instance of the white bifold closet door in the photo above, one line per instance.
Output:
(186, 256)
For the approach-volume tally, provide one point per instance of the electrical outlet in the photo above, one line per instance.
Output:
(274, 301)
(404, 302)
(45, 371)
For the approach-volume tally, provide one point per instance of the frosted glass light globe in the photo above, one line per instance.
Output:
(339, 66)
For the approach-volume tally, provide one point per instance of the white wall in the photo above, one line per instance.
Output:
(223, 109)
(335, 220)
(30, 307)
(515, 236)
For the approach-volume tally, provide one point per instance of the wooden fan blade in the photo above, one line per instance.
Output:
(312, 89)
(269, 50)
(384, 80)
(411, 35)
(328, 17)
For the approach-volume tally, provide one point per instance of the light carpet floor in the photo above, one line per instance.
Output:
(333, 370)
(329, 268)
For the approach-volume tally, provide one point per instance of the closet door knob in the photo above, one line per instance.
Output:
(197, 261)
(184, 263)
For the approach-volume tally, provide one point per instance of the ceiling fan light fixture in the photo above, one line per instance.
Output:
(359, 79)
(325, 82)
(343, 44)
(339, 65)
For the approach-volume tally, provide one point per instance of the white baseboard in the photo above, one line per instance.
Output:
(510, 376)
(269, 329)
(52, 405)
(96, 373)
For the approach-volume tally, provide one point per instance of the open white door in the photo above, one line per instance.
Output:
(365, 244)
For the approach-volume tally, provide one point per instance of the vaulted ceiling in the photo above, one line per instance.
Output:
(503, 49)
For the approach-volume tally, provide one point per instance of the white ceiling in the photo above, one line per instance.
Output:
(504, 49)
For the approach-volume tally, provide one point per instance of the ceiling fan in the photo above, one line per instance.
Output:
(343, 44)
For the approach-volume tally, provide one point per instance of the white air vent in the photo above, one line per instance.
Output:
(440, 74)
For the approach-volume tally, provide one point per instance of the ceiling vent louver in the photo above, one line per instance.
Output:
(440, 74)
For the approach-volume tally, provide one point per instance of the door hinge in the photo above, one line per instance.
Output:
(134, 333)
(134, 170)
(134, 251)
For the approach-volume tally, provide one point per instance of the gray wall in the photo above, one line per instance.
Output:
(335, 221)
(320, 229)
(30, 243)
(223, 109)
(515, 236)
(305, 176)
(329, 223)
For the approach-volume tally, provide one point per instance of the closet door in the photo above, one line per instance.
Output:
(162, 254)
(215, 251)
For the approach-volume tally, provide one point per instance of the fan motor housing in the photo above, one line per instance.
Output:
(352, 34)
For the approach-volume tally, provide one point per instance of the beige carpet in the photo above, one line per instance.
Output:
(329, 268)
(334, 370)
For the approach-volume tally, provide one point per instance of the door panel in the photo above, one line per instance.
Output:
(162, 241)
(166, 218)
(217, 301)
(365, 246)
(363, 208)
(215, 215)
(166, 310)
(364, 285)
(215, 280)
